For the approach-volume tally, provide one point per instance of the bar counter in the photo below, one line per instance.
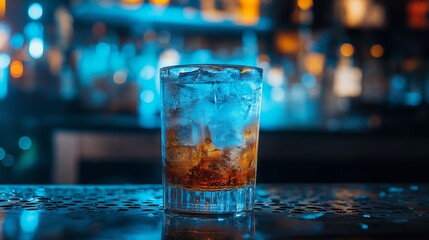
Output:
(281, 211)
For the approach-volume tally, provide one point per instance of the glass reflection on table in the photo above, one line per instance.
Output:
(193, 226)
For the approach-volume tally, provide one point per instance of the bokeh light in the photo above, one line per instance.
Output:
(148, 72)
(33, 30)
(102, 49)
(355, 12)
(277, 94)
(147, 96)
(120, 77)
(16, 69)
(377, 50)
(36, 48)
(398, 82)
(160, 2)
(305, 4)
(169, 57)
(287, 42)
(314, 63)
(4, 37)
(348, 81)
(413, 98)
(25, 143)
(4, 60)
(275, 77)
(17, 41)
(308, 80)
(35, 11)
(8, 160)
(2, 153)
(2, 10)
(347, 50)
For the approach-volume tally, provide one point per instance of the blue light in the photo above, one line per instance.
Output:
(277, 94)
(2, 153)
(308, 80)
(148, 72)
(413, 98)
(4, 74)
(33, 30)
(102, 49)
(129, 49)
(398, 82)
(25, 143)
(35, 11)
(310, 216)
(17, 41)
(36, 48)
(8, 160)
(4, 60)
(147, 96)
(29, 221)
(364, 226)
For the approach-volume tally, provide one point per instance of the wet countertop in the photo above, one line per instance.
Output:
(281, 211)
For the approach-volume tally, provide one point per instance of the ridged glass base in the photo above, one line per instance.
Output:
(179, 199)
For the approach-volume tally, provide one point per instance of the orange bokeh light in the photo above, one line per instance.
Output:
(305, 4)
(2, 8)
(287, 42)
(16, 69)
(377, 50)
(347, 50)
(314, 63)
(160, 2)
(249, 12)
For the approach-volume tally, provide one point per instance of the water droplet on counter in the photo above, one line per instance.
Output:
(364, 226)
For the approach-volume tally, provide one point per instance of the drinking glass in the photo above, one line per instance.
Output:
(210, 128)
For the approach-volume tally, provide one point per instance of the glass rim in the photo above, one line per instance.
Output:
(211, 66)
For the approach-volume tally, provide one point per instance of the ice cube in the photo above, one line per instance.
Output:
(230, 74)
(183, 158)
(226, 133)
(218, 75)
(178, 96)
(201, 75)
(202, 112)
(189, 76)
(245, 89)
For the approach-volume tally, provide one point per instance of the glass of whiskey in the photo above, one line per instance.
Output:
(210, 129)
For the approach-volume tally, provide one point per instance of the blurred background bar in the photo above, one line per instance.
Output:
(345, 96)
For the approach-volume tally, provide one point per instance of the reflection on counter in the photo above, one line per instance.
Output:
(236, 226)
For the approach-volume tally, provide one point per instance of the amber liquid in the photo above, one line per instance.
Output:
(205, 167)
